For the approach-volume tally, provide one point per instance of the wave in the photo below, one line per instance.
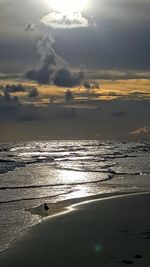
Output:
(8, 165)
(102, 170)
(131, 173)
(34, 198)
(110, 176)
(80, 153)
(31, 186)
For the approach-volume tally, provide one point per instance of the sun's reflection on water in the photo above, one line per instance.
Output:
(72, 176)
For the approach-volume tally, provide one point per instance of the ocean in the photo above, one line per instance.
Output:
(32, 173)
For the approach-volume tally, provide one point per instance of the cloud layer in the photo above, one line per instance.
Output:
(75, 118)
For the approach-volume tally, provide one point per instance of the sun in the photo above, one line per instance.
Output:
(67, 6)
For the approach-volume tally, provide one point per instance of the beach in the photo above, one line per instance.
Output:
(63, 173)
(114, 231)
(74, 133)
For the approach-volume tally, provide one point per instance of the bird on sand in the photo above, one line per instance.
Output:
(46, 206)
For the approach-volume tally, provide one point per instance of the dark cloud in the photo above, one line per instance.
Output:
(18, 88)
(53, 69)
(29, 27)
(33, 92)
(64, 77)
(91, 86)
(41, 75)
(69, 96)
(12, 110)
(8, 107)
(14, 88)
(44, 73)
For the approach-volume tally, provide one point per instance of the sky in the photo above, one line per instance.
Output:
(95, 50)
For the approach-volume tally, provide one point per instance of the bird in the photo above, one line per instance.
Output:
(46, 206)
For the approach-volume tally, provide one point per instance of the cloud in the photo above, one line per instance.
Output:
(91, 86)
(13, 88)
(29, 27)
(69, 96)
(45, 72)
(141, 130)
(59, 20)
(33, 92)
(71, 115)
(8, 107)
(18, 88)
(52, 68)
(120, 39)
(118, 74)
(11, 109)
(64, 77)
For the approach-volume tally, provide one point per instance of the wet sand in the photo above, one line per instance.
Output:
(108, 232)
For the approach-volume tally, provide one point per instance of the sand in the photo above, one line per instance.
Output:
(108, 232)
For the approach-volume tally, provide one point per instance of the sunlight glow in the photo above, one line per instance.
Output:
(71, 177)
(67, 6)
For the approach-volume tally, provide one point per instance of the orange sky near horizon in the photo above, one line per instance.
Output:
(107, 90)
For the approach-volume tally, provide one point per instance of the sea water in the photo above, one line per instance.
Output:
(32, 173)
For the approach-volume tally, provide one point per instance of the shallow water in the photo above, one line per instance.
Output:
(32, 173)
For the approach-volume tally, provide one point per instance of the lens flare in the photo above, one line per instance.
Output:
(67, 6)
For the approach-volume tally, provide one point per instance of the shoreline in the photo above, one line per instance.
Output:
(70, 212)
(66, 206)
(118, 230)
(62, 207)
